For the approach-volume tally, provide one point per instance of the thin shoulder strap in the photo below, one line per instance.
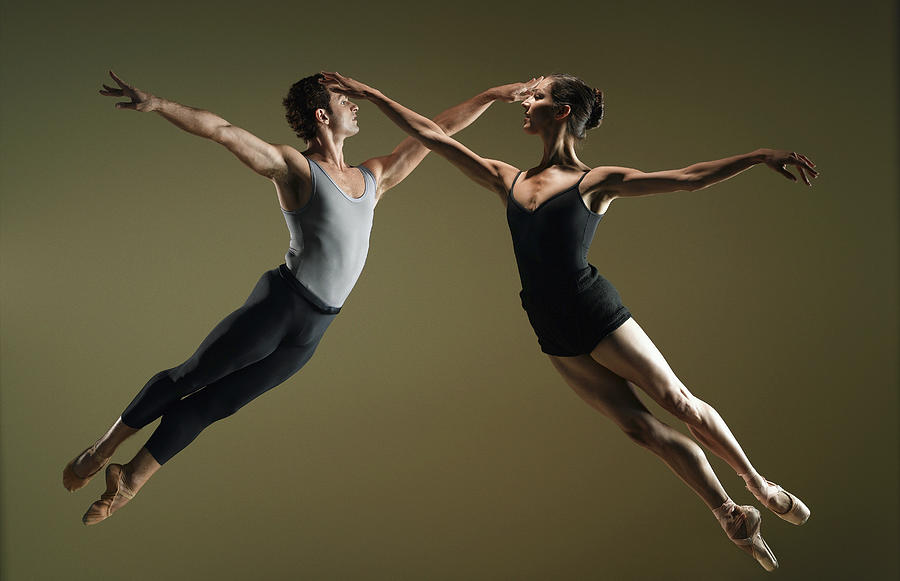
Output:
(515, 179)
(578, 183)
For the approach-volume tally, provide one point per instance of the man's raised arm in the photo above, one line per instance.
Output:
(264, 158)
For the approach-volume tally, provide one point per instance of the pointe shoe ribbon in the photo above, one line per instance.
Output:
(797, 513)
(115, 497)
(71, 480)
(754, 544)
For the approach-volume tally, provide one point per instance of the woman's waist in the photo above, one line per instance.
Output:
(543, 282)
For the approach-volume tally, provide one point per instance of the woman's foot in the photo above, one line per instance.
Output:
(742, 525)
(88, 463)
(118, 493)
(779, 501)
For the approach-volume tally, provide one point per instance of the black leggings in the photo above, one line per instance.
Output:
(252, 350)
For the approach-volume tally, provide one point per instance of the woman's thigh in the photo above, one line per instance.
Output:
(629, 353)
(603, 390)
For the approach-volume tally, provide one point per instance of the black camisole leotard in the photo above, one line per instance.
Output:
(571, 307)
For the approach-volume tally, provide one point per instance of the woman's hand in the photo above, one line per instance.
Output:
(140, 101)
(345, 85)
(515, 92)
(779, 160)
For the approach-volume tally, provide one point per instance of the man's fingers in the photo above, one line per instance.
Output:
(800, 170)
(126, 105)
(119, 81)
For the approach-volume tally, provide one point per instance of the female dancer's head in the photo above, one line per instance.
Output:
(563, 102)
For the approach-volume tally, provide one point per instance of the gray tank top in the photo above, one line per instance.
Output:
(330, 239)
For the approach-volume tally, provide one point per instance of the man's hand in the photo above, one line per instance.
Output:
(140, 101)
(515, 92)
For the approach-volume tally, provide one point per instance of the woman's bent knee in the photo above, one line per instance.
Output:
(682, 404)
(643, 430)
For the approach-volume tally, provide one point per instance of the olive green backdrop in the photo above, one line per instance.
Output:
(429, 438)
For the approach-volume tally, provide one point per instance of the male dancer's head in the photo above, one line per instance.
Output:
(311, 110)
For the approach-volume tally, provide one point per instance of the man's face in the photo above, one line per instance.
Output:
(343, 116)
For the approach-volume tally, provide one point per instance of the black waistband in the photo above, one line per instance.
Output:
(304, 292)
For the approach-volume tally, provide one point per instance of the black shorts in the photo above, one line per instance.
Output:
(572, 323)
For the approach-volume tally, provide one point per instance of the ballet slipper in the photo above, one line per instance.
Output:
(116, 496)
(71, 480)
(753, 543)
(797, 513)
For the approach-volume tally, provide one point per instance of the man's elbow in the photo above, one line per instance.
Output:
(222, 134)
(693, 182)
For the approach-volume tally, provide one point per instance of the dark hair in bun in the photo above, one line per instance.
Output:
(586, 103)
(597, 111)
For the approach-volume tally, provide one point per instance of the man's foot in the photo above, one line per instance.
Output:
(118, 493)
(88, 463)
(779, 501)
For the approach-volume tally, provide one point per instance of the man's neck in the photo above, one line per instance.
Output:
(329, 150)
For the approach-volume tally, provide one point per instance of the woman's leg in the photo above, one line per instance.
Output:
(613, 396)
(630, 353)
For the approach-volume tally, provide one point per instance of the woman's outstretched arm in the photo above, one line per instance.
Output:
(493, 174)
(606, 183)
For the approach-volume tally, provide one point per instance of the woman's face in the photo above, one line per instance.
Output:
(540, 110)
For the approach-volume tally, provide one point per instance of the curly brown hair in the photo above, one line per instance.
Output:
(301, 102)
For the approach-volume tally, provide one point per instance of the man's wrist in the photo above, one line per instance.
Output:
(155, 103)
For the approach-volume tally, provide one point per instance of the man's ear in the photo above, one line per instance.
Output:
(322, 115)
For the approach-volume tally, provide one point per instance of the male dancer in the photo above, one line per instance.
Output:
(328, 206)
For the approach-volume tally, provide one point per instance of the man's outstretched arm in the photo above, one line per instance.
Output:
(264, 158)
(391, 169)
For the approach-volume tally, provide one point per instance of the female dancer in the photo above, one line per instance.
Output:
(581, 324)
(268, 339)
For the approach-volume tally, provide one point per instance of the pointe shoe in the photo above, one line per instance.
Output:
(71, 480)
(115, 497)
(753, 543)
(797, 513)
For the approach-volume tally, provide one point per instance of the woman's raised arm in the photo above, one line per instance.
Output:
(492, 174)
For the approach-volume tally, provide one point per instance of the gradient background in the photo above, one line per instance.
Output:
(429, 438)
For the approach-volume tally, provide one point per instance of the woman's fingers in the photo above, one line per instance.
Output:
(783, 171)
